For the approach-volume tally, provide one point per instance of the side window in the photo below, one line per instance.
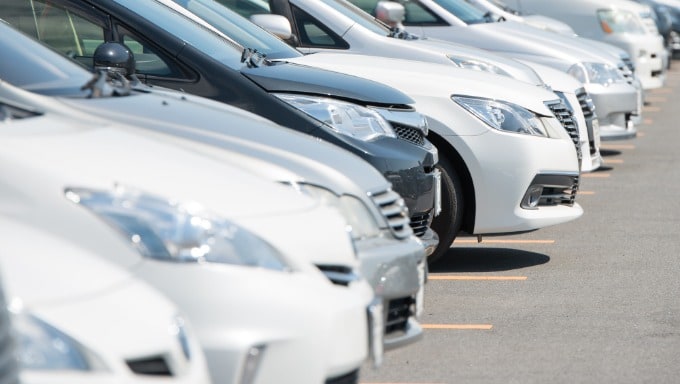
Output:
(149, 60)
(314, 34)
(417, 15)
(247, 8)
(64, 30)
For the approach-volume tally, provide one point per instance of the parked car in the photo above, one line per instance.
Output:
(172, 52)
(9, 367)
(231, 250)
(366, 67)
(391, 258)
(502, 12)
(673, 7)
(623, 23)
(80, 319)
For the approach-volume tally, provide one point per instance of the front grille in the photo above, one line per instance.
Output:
(563, 114)
(398, 313)
(586, 103)
(155, 366)
(629, 63)
(410, 134)
(628, 74)
(394, 209)
(338, 274)
(556, 189)
(420, 223)
(350, 378)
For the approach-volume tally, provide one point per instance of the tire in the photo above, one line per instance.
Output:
(448, 223)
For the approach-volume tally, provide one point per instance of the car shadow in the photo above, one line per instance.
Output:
(486, 259)
(609, 152)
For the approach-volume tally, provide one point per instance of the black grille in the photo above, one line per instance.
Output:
(628, 63)
(398, 314)
(559, 190)
(628, 74)
(155, 366)
(563, 114)
(420, 222)
(410, 134)
(350, 378)
(394, 209)
(586, 103)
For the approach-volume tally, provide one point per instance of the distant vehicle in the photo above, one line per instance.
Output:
(230, 249)
(502, 12)
(80, 319)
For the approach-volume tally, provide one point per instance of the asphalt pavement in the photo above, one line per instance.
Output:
(596, 300)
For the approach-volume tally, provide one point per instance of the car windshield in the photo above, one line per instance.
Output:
(464, 11)
(358, 16)
(500, 4)
(239, 29)
(194, 33)
(30, 65)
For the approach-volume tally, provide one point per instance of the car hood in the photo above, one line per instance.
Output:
(557, 80)
(516, 69)
(549, 24)
(418, 78)
(303, 79)
(253, 143)
(41, 268)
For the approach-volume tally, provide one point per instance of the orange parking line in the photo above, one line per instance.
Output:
(478, 327)
(656, 99)
(617, 146)
(648, 121)
(613, 161)
(494, 241)
(661, 90)
(651, 109)
(586, 192)
(595, 175)
(473, 278)
(641, 134)
(397, 383)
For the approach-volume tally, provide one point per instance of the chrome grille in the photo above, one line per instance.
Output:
(394, 210)
(410, 134)
(629, 63)
(398, 313)
(586, 103)
(563, 114)
(420, 223)
(628, 74)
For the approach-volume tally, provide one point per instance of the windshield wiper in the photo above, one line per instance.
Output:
(253, 58)
(402, 34)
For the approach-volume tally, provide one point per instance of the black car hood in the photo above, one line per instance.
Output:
(288, 77)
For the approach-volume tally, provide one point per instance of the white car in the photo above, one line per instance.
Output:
(469, 147)
(503, 12)
(625, 24)
(231, 250)
(80, 319)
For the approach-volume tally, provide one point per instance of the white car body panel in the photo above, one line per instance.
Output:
(328, 330)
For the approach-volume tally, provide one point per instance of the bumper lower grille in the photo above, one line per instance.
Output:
(394, 209)
(350, 378)
(563, 114)
(156, 366)
(420, 223)
(400, 310)
(410, 134)
(628, 63)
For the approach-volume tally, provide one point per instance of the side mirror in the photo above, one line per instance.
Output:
(390, 12)
(114, 57)
(274, 24)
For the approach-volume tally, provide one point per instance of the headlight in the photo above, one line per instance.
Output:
(596, 73)
(45, 348)
(175, 231)
(345, 118)
(360, 220)
(477, 65)
(503, 116)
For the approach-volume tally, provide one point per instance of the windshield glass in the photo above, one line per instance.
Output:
(620, 21)
(192, 32)
(500, 4)
(463, 11)
(239, 29)
(358, 16)
(30, 65)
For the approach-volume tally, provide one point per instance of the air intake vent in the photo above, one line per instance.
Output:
(394, 209)
(419, 223)
(398, 314)
(154, 366)
(586, 103)
(350, 378)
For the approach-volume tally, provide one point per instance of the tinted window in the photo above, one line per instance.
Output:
(358, 15)
(314, 34)
(463, 11)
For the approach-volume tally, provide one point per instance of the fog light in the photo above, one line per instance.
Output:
(532, 197)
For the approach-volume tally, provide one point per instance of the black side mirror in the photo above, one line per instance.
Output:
(114, 57)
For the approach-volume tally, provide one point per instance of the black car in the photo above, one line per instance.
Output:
(176, 52)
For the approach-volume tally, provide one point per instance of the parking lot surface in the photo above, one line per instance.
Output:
(593, 301)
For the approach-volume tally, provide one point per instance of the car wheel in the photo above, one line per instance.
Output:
(448, 223)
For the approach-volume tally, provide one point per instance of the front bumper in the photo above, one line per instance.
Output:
(393, 268)
(615, 106)
(503, 166)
